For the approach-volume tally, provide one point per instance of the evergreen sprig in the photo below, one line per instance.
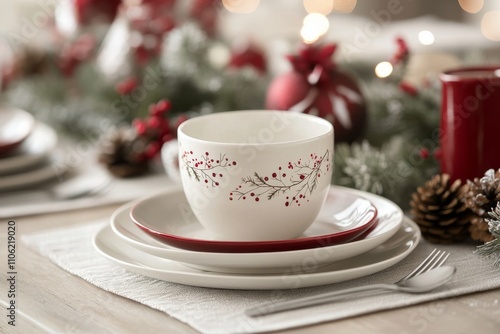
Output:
(393, 170)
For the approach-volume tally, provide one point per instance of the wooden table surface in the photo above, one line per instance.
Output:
(51, 300)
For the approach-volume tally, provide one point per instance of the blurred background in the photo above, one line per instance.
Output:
(91, 68)
(461, 27)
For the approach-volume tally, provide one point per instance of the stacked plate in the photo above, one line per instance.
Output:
(356, 234)
(27, 150)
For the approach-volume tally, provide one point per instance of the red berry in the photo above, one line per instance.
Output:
(154, 122)
(424, 153)
(140, 126)
(408, 88)
(163, 106)
(126, 86)
(152, 110)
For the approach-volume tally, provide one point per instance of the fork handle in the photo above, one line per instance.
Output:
(313, 300)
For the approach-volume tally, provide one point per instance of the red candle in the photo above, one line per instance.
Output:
(470, 122)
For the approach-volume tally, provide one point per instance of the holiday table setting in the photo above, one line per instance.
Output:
(163, 170)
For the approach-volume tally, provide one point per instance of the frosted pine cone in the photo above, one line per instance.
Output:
(482, 196)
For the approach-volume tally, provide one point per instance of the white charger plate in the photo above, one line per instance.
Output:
(389, 214)
(393, 250)
(37, 147)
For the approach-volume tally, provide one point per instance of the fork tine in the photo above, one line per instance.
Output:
(444, 259)
(434, 262)
(420, 266)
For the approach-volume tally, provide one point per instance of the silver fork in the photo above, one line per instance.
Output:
(434, 260)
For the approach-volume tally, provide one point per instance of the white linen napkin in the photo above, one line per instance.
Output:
(222, 311)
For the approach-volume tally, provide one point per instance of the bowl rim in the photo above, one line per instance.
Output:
(328, 131)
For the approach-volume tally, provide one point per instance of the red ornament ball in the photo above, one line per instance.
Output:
(316, 86)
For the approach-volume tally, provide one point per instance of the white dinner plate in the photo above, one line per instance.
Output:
(37, 147)
(389, 214)
(379, 258)
(48, 171)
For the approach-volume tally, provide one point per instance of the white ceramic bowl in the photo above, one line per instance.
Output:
(256, 175)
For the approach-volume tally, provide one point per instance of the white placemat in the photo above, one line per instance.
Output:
(222, 311)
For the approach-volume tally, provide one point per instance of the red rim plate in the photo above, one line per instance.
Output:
(167, 217)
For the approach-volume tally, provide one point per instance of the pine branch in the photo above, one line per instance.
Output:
(273, 193)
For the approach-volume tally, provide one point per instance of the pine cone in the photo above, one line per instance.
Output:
(121, 152)
(438, 210)
(33, 62)
(482, 196)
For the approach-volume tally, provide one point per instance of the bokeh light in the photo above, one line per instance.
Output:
(490, 25)
(471, 6)
(344, 6)
(383, 69)
(426, 37)
(241, 6)
(318, 6)
(318, 21)
(314, 26)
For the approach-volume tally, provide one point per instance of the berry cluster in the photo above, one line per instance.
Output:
(156, 128)
(206, 168)
(402, 52)
(150, 22)
(299, 182)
